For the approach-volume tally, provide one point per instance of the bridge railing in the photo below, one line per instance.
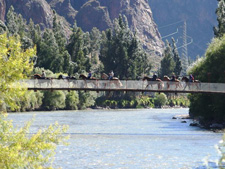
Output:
(123, 85)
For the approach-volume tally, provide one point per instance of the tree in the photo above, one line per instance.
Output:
(220, 11)
(15, 65)
(19, 148)
(210, 107)
(11, 19)
(176, 58)
(54, 100)
(121, 51)
(167, 63)
(72, 100)
(49, 56)
(77, 50)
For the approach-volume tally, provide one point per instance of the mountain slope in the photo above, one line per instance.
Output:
(200, 18)
(94, 13)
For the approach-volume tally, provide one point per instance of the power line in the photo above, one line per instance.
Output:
(170, 34)
(170, 24)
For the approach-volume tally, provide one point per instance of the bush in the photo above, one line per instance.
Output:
(20, 149)
(72, 100)
(54, 100)
(160, 100)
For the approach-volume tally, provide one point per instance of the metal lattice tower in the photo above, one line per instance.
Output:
(184, 56)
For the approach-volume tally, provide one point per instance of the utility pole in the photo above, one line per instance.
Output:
(184, 56)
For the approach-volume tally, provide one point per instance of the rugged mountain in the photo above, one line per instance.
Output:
(199, 15)
(92, 13)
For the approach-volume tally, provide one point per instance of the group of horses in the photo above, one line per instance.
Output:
(117, 82)
(93, 80)
(169, 82)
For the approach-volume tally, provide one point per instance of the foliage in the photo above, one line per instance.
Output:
(167, 63)
(121, 51)
(15, 65)
(20, 149)
(54, 100)
(176, 58)
(210, 107)
(220, 30)
(160, 100)
(125, 102)
(31, 101)
(72, 100)
(76, 49)
(86, 99)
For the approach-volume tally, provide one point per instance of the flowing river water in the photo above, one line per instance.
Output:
(128, 139)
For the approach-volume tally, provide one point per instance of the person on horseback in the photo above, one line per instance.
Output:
(154, 77)
(111, 74)
(43, 75)
(173, 77)
(89, 75)
(191, 78)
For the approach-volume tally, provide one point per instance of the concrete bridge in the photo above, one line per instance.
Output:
(122, 85)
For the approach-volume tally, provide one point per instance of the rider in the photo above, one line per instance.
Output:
(43, 75)
(111, 74)
(191, 78)
(89, 75)
(154, 77)
(172, 78)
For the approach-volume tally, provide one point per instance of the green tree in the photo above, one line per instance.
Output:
(121, 51)
(54, 100)
(49, 56)
(77, 51)
(210, 107)
(160, 100)
(167, 63)
(220, 11)
(11, 20)
(19, 148)
(15, 64)
(176, 58)
(72, 100)
(86, 99)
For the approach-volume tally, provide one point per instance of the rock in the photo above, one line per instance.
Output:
(194, 124)
(184, 121)
(93, 13)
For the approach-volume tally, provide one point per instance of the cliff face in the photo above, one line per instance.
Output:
(200, 18)
(92, 13)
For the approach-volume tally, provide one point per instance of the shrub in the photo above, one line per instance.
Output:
(20, 149)
(160, 100)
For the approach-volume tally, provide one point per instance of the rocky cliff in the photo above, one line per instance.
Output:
(92, 13)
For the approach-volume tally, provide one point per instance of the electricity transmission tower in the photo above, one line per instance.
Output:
(184, 55)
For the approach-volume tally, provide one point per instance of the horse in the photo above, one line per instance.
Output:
(152, 81)
(114, 80)
(68, 78)
(176, 82)
(42, 79)
(91, 80)
(185, 79)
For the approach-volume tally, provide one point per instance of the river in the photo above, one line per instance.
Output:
(128, 139)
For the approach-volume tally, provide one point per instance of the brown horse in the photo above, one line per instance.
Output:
(114, 80)
(91, 80)
(176, 82)
(185, 79)
(152, 82)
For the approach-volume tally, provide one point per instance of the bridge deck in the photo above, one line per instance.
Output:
(126, 85)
